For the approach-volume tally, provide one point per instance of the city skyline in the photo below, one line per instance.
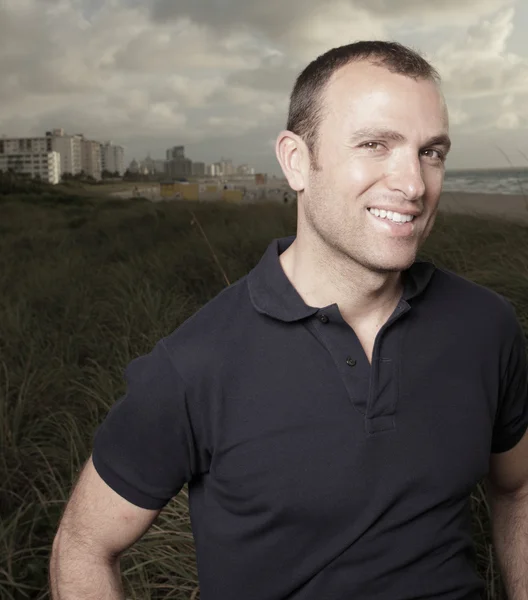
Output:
(156, 73)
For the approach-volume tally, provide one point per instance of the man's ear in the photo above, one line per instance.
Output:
(292, 155)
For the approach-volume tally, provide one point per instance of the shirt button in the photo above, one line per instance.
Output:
(350, 361)
(323, 318)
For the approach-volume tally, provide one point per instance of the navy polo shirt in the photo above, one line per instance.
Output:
(312, 473)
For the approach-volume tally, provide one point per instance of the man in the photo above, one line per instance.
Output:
(333, 410)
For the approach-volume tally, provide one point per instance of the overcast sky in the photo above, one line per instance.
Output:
(215, 75)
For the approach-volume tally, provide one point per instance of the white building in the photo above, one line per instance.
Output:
(113, 158)
(69, 147)
(215, 170)
(245, 170)
(42, 165)
(91, 158)
(24, 145)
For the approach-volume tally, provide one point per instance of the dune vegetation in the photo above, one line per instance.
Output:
(88, 283)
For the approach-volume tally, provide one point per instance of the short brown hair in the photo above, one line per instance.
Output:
(306, 110)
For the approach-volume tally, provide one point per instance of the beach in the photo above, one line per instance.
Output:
(498, 205)
(509, 206)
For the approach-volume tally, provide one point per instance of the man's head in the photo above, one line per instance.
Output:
(367, 129)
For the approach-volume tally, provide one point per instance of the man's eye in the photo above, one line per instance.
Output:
(372, 145)
(434, 154)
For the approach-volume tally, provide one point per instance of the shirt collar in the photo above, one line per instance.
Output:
(272, 293)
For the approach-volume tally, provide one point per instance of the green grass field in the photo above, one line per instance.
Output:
(88, 284)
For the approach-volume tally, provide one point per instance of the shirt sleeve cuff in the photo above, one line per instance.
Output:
(124, 489)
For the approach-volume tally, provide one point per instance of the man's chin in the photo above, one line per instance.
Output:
(393, 264)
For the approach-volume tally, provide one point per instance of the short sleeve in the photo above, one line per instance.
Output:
(147, 447)
(512, 415)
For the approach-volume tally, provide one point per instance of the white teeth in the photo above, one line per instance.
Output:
(392, 215)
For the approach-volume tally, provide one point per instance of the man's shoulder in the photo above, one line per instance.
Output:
(474, 298)
(218, 315)
(206, 337)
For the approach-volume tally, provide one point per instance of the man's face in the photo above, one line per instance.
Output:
(380, 150)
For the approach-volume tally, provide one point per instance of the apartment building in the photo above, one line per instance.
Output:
(91, 158)
(198, 169)
(113, 158)
(35, 165)
(176, 165)
(69, 147)
(24, 145)
(31, 156)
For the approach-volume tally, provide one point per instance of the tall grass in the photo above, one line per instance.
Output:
(86, 285)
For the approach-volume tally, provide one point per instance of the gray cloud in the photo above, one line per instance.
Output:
(410, 8)
(217, 77)
(272, 18)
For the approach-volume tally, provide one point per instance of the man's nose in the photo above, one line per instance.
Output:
(406, 177)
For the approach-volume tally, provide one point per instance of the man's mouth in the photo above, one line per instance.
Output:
(391, 215)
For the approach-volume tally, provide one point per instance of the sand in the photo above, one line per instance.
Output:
(497, 205)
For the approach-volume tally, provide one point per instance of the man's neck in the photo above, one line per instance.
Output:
(322, 278)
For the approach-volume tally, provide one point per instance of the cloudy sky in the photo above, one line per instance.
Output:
(215, 75)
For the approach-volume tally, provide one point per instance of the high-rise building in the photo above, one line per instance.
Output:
(153, 165)
(30, 157)
(176, 153)
(177, 166)
(227, 166)
(112, 158)
(34, 165)
(245, 170)
(198, 169)
(91, 158)
(69, 148)
(178, 169)
(159, 165)
(25, 145)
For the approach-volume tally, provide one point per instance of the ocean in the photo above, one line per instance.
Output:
(488, 181)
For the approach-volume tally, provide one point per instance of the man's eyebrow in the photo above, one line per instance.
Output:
(440, 140)
(379, 132)
(395, 136)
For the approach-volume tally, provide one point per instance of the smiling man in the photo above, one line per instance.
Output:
(333, 410)
(367, 160)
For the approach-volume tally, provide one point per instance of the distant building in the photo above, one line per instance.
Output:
(76, 153)
(198, 169)
(133, 167)
(176, 165)
(24, 145)
(31, 157)
(178, 169)
(69, 148)
(245, 170)
(35, 165)
(112, 158)
(153, 166)
(176, 153)
(227, 167)
(215, 170)
(91, 158)
(159, 165)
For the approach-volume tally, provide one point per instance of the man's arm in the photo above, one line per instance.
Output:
(508, 496)
(97, 526)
